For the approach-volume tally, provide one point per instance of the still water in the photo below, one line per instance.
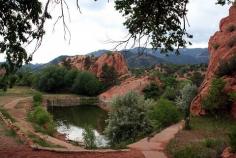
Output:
(71, 121)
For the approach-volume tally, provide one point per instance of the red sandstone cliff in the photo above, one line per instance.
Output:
(220, 51)
(95, 65)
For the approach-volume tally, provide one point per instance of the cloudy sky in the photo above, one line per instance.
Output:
(99, 22)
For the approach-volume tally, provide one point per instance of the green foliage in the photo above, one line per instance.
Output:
(163, 23)
(24, 21)
(109, 75)
(70, 78)
(232, 139)
(152, 91)
(184, 101)
(38, 98)
(197, 78)
(227, 68)
(43, 121)
(86, 84)
(170, 81)
(89, 138)
(128, 119)
(170, 93)
(232, 96)
(51, 79)
(216, 98)
(25, 77)
(164, 113)
(137, 72)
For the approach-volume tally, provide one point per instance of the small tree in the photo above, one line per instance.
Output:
(184, 102)
(109, 75)
(89, 138)
(152, 91)
(216, 96)
(128, 119)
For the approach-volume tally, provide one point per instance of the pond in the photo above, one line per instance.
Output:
(71, 121)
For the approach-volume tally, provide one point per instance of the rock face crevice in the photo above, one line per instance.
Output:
(94, 65)
(221, 48)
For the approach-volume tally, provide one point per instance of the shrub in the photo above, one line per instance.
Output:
(37, 98)
(197, 78)
(232, 96)
(195, 151)
(184, 101)
(232, 42)
(227, 68)
(109, 76)
(51, 79)
(170, 93)
(152, 91)
(128, 119)
(89, 138)
(216, 97)
(42, 120)
(164, 113)
(232, 139)
(70, 78)
(86, 84)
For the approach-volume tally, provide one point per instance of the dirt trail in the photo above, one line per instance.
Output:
(154, 147)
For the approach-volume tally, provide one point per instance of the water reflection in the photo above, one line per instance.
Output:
(72, 120)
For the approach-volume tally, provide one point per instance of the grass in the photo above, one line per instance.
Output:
(42, 142)
(6, 114)
(10, 133)
(208, 138)
(18, 91)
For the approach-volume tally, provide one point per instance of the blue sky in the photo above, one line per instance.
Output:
(100, 22)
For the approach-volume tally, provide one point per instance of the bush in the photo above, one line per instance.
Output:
(89, 138)
(86, 84)
(216, 97)
(42, 120)
(194, 151)
(227, 68)
(152, 91)
(232, 139)
(51, 79)
(170, 93)
(215, 46)
(38, 98)
(197, 78)
(184, 101)
(128, 119)
(164, 113)
(70, 78)
(109, 76)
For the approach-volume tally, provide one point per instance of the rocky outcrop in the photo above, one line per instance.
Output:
(130, 84)
(94, 65)
(222, 46)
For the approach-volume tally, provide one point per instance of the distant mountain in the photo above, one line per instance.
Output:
(146, 57)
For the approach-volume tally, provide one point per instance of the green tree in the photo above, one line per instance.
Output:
(109, 75)
(152, 91)
(128, 119)
(86, 84)
(184, 102)
(197, 78)
(89, 138)
(216, 98)
(51, 79)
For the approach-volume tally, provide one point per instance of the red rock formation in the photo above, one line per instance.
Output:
(95, 65)
(219, 51)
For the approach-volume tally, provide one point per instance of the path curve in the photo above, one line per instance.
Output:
(154, 147)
